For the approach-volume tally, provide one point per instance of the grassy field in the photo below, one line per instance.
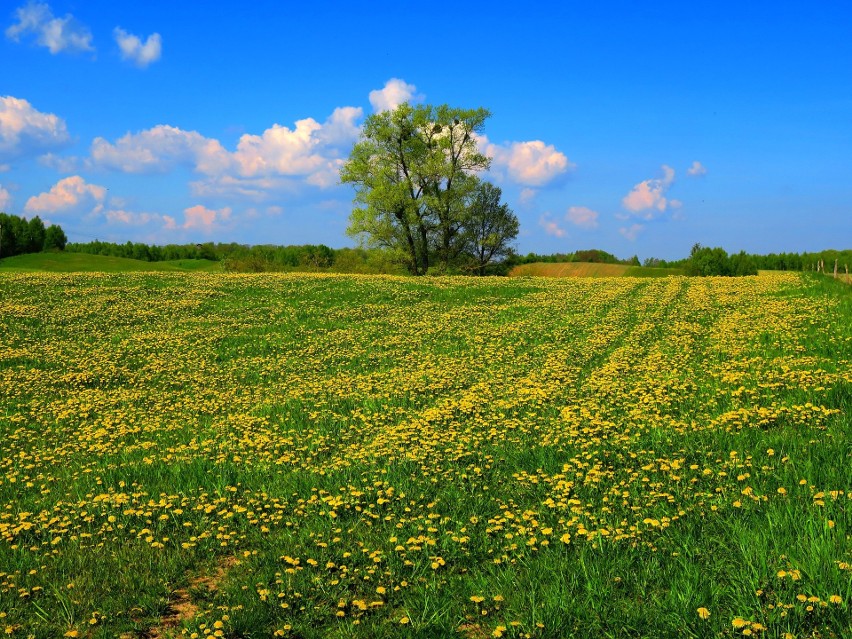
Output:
(313, 456)
(588, 269)
(84, 263)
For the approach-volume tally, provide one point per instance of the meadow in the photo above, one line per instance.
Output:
(306, 456)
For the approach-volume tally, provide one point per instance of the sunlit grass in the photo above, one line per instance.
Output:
(85, 263)
(345, 456)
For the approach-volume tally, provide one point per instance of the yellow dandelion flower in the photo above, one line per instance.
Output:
(704, 613)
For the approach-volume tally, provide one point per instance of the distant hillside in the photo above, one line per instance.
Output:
(589, 269)
(81, 262)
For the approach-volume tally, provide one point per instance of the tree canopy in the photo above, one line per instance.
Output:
(415, 171)
(18, 235)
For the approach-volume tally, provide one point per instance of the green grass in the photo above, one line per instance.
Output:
(367, 456)
(589, 269)
(651, 271)
(82, 262)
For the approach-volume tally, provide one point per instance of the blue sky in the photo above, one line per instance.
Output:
(635, 129)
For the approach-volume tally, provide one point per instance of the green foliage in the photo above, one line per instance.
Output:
(19, 236)
(594, 256)
(54, 239)
(488, 229)
(415, 176)
(704, 261)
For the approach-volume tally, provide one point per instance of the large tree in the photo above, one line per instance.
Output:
(415, 172)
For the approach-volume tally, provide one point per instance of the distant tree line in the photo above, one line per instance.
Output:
(148, 252)
(319, 257)
(596, 256)
(715, 261)
(19, 235)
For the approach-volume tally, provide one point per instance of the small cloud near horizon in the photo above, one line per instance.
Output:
(631, 232)
(582, 216)
(648, 198)
(550, 226)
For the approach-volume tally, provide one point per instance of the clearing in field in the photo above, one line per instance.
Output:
(340, 456)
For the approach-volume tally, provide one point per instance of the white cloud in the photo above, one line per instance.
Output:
(649, 197)
(133, 49)
(57, 34)
(310, 151)
(341, 128)
(200, 217)
(550, 226)
(236, 187)
(583, 217)
(631, 232)
(5, 199)
(160, 149)
(282, 151)
(71, 193)
(132, 218)
(697, 169)
(394, 93)
(531, 163)
(25, 131)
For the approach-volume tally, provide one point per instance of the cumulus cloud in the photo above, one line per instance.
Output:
(550, 226)
(5, 199)
(69, 194)
(25, 130)
(57, 34)
(532, 163)
(648, 198)
(160, 149)
(341, 128)
(200, 217)
(394, 93)
(140, 53)
(583, 217)
(631, 232)
(696, 170)
(281, 150)
(277, 160)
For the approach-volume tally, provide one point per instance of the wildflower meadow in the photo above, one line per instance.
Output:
(311, 456)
